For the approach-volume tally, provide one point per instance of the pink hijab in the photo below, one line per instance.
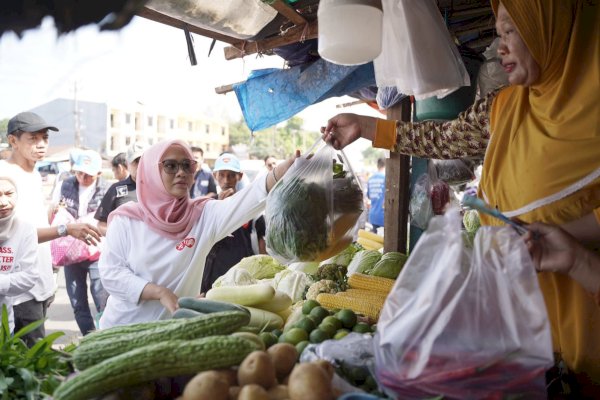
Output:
(166, 215)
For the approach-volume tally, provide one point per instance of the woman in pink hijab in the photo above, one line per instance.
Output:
(155, 249)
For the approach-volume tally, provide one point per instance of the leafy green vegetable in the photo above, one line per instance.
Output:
(260, 266)
(389, 266)
(298, 227)
(363, 260)
(345, 256)
(30, 373)
(292, 283)
(471, 221)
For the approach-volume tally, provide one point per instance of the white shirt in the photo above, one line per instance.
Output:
(134, 256)
(31, 209)
(17, 265)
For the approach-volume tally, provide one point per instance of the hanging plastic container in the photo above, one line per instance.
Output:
(350, 30)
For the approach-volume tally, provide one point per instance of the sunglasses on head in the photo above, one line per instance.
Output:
(172, 166)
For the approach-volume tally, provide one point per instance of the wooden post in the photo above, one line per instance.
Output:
(397, 184)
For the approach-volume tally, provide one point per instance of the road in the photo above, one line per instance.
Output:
(60, 315)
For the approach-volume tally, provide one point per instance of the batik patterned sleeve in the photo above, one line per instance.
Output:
(466, 136)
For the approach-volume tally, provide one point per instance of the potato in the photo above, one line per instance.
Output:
(253, 392)
(284, 356)
(229, 374)
(279, 392)
(327, 367)
(309, 382)
(234, 392)
(257, 368)
(208, 385)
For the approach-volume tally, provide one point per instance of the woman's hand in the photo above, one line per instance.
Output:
(551, 248)
(87, 233)
(163, 294)
(344, 129)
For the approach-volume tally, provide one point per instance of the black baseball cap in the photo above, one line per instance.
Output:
(28, 122)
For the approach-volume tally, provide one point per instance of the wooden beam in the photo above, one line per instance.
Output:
(288, 12)
(293, 35)
(397, 189)
(174, 22)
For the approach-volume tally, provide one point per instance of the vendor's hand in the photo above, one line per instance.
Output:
(226, 193)
(551, 248)
(87, 233)
(344, 129)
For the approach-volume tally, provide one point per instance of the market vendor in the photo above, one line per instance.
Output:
(541, 141)
(155, 249)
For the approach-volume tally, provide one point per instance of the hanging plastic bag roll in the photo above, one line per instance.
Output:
(465, 323)
(312, 211)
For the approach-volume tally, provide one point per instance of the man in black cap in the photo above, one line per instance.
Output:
(28, 136)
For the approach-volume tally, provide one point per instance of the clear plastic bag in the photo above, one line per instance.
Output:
(464, 323)
(430, 196)
(417, 61)
(453, 172)
(311, 213)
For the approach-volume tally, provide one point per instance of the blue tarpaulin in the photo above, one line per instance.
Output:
(270, 96)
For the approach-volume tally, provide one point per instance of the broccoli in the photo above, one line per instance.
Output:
(335, 273)
(322, 286)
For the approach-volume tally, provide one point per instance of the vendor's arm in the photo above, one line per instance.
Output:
(554, 250)
(585, 229)
(465, 136)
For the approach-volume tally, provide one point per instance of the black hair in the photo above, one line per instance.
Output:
(197, 150)
(267, 157)
(119, 159)
(380, 162)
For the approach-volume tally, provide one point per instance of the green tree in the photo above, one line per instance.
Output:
(3, 129)
(280, 142)
(370, 156)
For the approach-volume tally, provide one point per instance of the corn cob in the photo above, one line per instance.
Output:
(372, 283)
(144, 364)
(368, 307)
(364, 294)
(370, 235)
(369, 244)
(218, 323)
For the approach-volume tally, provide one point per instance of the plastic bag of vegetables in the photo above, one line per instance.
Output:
(312, 211)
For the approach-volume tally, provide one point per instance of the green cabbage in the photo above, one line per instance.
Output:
(292, 283)
(260, 266)
(363, 261)
(389, 266)
(471, 221)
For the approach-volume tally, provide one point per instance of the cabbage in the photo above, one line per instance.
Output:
(363, 260)
(260, 266)
(308, 267)
(389, 266)
(292, 283)
(345, 256)
(471, 221)
(235, 277)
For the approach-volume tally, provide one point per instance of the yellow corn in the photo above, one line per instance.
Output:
(364, 294)
(369, 308)
(373, 283)
(370, 235)
(369, 244)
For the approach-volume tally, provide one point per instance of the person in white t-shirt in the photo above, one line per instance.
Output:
(18, 249)
(27, 135)
(154, 250)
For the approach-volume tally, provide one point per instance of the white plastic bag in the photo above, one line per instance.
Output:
(418, 55)
(465, 323)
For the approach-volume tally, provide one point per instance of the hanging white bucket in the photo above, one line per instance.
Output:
(350, 30)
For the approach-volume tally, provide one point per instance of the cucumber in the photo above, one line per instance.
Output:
(159, 360)
(221, 323)
(209, 306)
(186, 313)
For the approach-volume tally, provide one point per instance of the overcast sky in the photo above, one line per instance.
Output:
(146, 61)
